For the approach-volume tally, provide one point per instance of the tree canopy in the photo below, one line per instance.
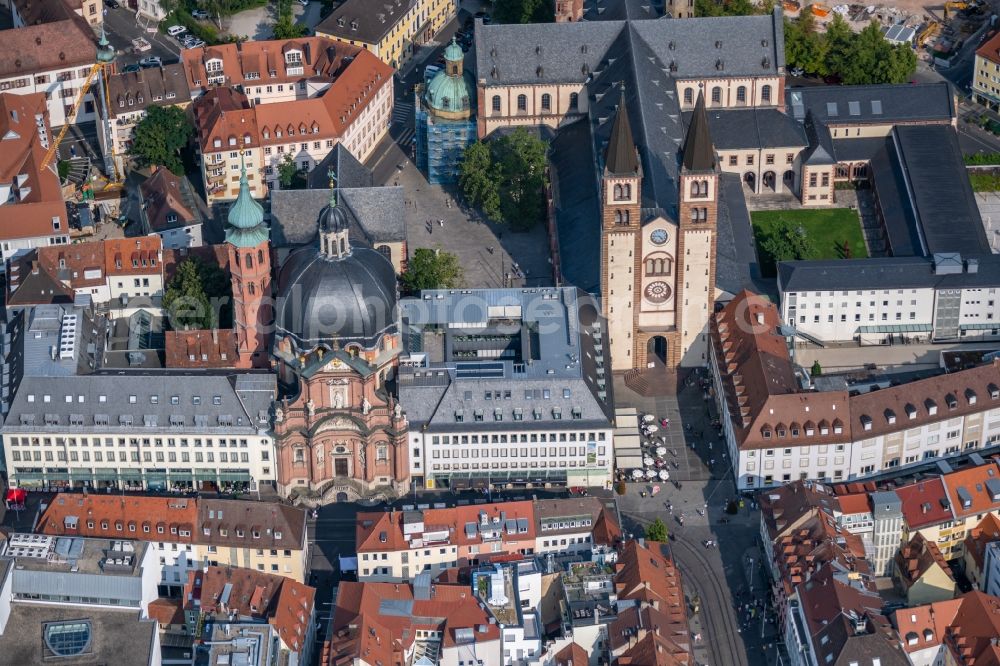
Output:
(432, 269)
(853, 58)
(285, 26)
(198, 296)
(524, 11)
(160, 136)
(656, 531)
(730, 8)
(787, 242)
(506, 178)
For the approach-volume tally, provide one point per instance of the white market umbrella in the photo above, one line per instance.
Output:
(651, 428)
(661, 450)
(651, 473)
(647, 461)
(637, 473)
(664, 475)
(648, 418)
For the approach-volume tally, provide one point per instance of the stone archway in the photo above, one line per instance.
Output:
(750, 180)
(770, 181)
(788, 180)
(342, 496)
(656, 351)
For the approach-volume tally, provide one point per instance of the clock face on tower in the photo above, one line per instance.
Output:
(658, 236)
(657, 292)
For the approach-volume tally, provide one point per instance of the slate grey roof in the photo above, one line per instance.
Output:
(857, 150)
(202, 400)
(362, 20)
(883, 273)
(736, 266)
(944, 204)
(881, 104)
(377, 215)
(558, 374)
(736, 129)
(889, 184)
(557, 52)
(578, 216)
(620, 10)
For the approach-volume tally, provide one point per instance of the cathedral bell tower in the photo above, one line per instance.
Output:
(621, 215)
(248, 243)
(697, 225)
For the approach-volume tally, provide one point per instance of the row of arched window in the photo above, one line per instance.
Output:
(621, 217)
(658, 265)
(699, 188)
(741, 95)
(699, 214)
(248, 262)
(623, 192)
(522, 102)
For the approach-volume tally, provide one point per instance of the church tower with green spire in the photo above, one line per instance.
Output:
(248, 242)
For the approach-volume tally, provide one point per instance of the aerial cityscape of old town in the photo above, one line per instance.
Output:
(499, 333)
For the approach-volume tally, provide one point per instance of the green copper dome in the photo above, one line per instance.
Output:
(454, 52)
(246, 218)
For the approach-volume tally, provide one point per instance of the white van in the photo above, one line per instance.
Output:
(175, 30)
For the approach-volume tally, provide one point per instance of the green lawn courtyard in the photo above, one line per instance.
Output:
(834, 233)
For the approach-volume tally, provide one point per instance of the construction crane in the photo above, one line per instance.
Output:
(105, 56)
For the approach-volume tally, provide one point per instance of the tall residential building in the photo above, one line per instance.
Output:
(887, 527)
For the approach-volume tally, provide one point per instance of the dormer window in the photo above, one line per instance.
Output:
(232, 141)
(213, 66)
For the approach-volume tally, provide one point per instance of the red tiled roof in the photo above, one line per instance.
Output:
(223, 115)
(141, 255)
(921, 627)
(854, 503)
(141, 518)
(286, 604)
(969, 485)
(980, 536)
(361, 631)
(971, 636)
(572, 655)
(166, 611)
(922, 503)
(647, 573)
(371, 527)
(35, 49)
(200, 349)
(915, 558)
(991, 49)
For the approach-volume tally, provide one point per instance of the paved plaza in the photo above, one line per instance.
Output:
(492, 255)
(727, 577)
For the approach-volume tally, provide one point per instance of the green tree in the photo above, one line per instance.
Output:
(804, 46)
(786, 242)
(816, 370)
(160, 136)
(198, 297)
(285, 26)
(730, 8)
(288, 171)
(522, 160)
(479, 179)
(432, 269)
(506, 178)
(524, 11)
(656, 531)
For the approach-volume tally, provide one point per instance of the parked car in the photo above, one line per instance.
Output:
(304, 3)
(140, 45)
(175, 30)
(200, 14)
(196, 44)
(797, 71)
(131, 68)
(151, 61)
(112, 3)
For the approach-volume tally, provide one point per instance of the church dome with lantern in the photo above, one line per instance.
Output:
(336, 295)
